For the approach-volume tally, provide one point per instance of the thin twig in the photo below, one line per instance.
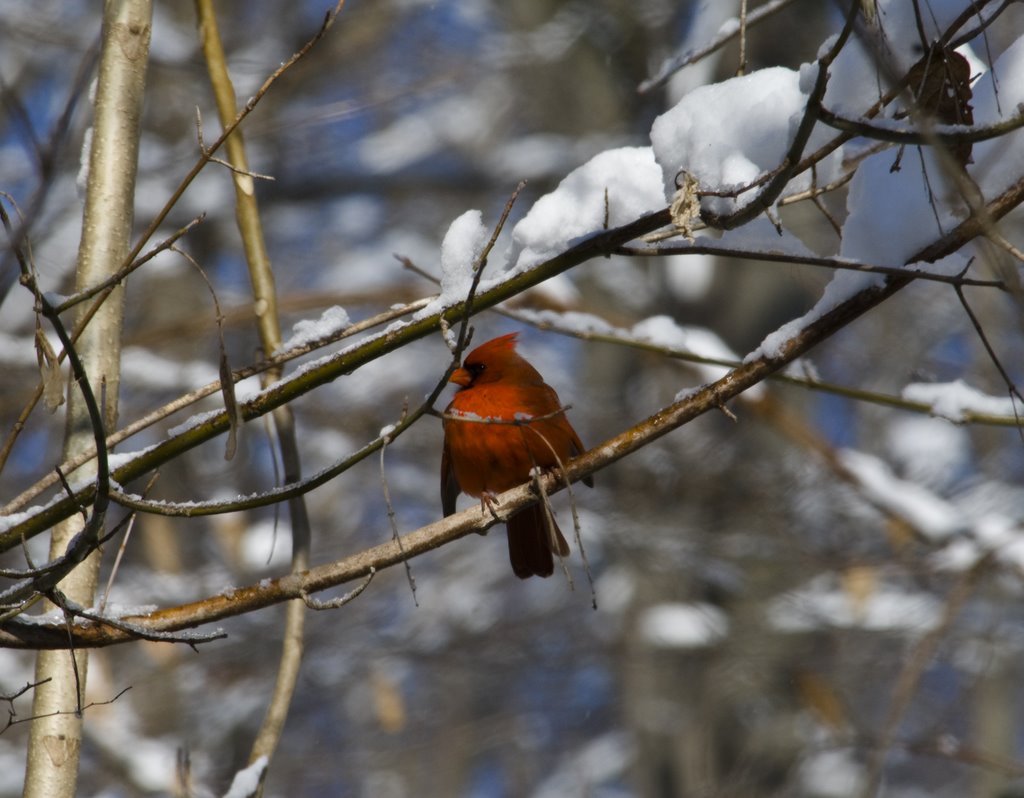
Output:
(1011, 387)
(227, 164)
(13, 720)
(120, 275)
(692, 56)
(577, 530)
(123, 547)
(341, 601)
(227, 382)
(707, 246)
(742, 68)
(478, 272)
(395, 536)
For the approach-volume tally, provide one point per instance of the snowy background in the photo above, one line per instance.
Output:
(766, 584)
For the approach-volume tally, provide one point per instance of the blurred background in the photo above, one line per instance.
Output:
(757, 608)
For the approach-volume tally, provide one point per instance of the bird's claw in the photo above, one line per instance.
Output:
(488, 503)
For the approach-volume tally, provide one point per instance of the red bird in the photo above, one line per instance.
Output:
(482, 459)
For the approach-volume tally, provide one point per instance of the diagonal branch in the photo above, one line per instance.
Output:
(17, 634)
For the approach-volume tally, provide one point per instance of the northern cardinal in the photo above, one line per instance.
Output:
(484, 459)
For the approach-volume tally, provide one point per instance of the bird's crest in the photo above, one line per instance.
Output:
(502, 344)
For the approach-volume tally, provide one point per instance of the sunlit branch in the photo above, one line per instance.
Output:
(712, 396)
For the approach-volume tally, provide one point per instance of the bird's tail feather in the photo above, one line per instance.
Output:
(531, 544)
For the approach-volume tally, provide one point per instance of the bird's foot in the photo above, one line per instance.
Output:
(489, 501)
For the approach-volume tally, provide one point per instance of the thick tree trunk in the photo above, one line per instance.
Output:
(56, 735)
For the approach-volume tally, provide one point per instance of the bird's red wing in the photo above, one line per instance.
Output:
(560, 432)
(449, 484)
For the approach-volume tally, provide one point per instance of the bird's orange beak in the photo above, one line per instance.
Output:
(461, 377)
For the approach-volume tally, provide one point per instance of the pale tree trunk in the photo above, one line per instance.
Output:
(56, 735)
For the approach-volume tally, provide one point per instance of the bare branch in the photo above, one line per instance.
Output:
(949, 135)
(726, 35)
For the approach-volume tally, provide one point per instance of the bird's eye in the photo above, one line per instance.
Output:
(476, 369)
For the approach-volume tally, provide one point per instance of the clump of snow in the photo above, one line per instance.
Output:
(689, 277)
(116, 610)
(599, 761)
(990, 533)
(676, 625)
(831, 774)
(248, 389)
(470, 415)
(570, 321)
(999, 162)
(461, 249)
(192, 422)
(247, 781)
(893, 214)
(929, 514)
(331, 321)
(890, 218)
(116, 460)
(929, 451)
(266, 544)
(462, 246)
(955, 400)
(730, 133)
(823, 604)
(841, 287)
(615, 186)
(662, 331)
